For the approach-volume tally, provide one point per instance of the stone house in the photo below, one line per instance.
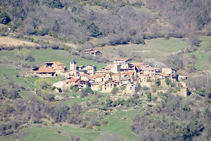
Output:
(125, 81)
(130, 88)
(128, 67)
(99, 78)
(87, 51)
(84, 77)
(116, 77)
(143, 77)
(75, 74)
(121, 61)
(130, 75)
(58, 65)
(90, 69)
(71, 81)
(82, 84)
(108, 86)
(95, 86)
(149, 70)
(92, 52)
(95, 53)
(169, 71)
(45, 72)
(115, 68)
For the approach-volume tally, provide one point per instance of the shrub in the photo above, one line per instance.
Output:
(114, 90)
(149, 96)
(145, 88)
(53, 88)
(89, 90)
(72, 87)
(123, 87)
(4, 18)
(67, 48)
(158, 82)
(75, 89)
(167, 81)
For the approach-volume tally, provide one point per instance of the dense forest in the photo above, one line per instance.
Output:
(113, 21)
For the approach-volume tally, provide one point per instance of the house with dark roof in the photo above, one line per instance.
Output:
(121, 61)
(92, 52)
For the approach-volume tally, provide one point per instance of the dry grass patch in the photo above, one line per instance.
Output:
(14, 42)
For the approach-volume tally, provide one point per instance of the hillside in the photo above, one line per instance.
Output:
(114, 22)
(145, 74)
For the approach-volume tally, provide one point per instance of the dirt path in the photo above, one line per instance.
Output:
(69, 44)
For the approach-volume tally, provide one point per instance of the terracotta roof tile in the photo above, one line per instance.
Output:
(98, 75)
(47, 70)
(165, 75)
(72, 80)
(59, 63)
(128, 72)
(116, 74)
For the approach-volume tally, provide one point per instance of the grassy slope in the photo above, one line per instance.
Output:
(154, 48)
(202, 63)
(50, 55)
(115, 125)
(11, 73)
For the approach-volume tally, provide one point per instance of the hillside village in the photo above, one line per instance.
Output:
(122, 73)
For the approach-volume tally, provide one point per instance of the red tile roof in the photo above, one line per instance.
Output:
(72, 80)
(98, 75)
(45, 70)
(165, 75)
(128, 72)
(59, 63)
(100, 72)
(116, 74)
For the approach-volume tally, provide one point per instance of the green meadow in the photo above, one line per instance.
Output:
(118, 122)
(50, 55)
(153, 48)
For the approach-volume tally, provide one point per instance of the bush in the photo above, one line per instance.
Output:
(158, 82)
(123, 87)
(54, 3)
(75, 89)
(114, 90)
(89, 90)
(167, 81)
(4, 18)
(72, 87)
(145, 88)
(67, 48)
